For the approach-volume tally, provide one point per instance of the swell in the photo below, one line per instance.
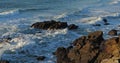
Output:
(93, 14)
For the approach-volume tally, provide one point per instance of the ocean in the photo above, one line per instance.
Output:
(16, 17)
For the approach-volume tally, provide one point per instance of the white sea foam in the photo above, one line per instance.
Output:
(9, 12)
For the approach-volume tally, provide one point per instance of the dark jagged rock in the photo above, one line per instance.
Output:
(72, 26)
(112, 32)
(91, 49)
(1, 61)
(41, 58)
(50, 25)
(53, 25)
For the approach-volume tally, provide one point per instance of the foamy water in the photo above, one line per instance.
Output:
(27, 43)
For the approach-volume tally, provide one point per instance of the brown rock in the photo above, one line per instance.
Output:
(86, 54)
(91, 49)
(96, 37)
(79, 42)
(110, 49)
(50, 25)
(61, 54)
(72, 26)
(112, 32)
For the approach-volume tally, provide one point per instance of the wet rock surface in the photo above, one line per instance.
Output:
(91, 49)
(53, 25)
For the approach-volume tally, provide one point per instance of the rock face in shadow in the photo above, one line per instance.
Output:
(91, 49)
(53, 25)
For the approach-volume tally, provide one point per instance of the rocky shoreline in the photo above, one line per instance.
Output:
(91, 49)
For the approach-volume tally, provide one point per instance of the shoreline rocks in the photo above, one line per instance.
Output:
(53, 25)
(91, 49)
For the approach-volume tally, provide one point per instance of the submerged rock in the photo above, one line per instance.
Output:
(50, 25)
(112, 32)
(96, 24)
(72, 26)
(109, 51)
(41, 58)
(106, 22)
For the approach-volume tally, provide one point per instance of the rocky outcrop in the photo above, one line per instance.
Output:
(91, 49)
(50, 25)
(110, 51)
(53, 25)
(112, 32)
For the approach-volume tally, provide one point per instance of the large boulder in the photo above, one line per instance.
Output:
(109, 51)
(91, 49)
(84, 55)
(86, 48)
(50, 25)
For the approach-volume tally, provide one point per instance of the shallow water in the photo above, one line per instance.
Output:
(17, 16)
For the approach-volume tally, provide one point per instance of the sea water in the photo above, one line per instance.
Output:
(16, 17)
